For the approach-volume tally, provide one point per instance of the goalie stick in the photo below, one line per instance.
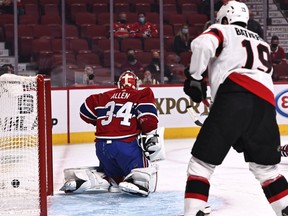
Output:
(196, 116)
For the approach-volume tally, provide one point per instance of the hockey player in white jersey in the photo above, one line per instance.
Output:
(243, 112)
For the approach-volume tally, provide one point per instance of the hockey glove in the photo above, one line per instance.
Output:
(91, 76)
(187, 73)
(195, 89)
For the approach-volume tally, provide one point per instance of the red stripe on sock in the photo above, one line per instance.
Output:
(278, 196)
(268, 182)
(198, 178)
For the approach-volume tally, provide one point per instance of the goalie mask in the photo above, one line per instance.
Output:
(233, 11)
(128, 80)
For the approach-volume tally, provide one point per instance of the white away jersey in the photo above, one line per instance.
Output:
(230, 50)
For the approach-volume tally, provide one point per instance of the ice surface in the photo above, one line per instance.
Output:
(234, 191)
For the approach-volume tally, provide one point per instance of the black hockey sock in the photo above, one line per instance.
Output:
(197, 188)
(276, 190)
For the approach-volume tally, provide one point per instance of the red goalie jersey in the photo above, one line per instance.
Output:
(121, 113)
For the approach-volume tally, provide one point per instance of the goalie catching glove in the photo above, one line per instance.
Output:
(195, 89)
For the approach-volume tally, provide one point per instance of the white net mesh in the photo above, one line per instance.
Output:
(19, 166)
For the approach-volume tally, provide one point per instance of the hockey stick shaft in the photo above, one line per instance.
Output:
(205, 101)
(194, 115)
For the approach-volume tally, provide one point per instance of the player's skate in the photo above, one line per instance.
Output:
(114, 187)
(206, 211)
(133, 188)
(200, 213)
(285, 211)
(140, 181)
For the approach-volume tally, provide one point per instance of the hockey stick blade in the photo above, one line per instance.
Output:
(194, 116)
(197, 122)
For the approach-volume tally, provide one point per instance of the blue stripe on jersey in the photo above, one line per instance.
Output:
(101, 111)
(146, 108)
(85, 111)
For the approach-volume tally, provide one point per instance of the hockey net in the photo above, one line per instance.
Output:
(25, 145)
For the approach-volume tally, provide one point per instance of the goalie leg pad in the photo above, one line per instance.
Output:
(78, 180)
(141, 181)
(70, 172)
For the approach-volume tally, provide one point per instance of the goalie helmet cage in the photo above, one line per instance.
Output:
(25, 145)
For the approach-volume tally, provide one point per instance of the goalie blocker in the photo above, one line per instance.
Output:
(152, 144)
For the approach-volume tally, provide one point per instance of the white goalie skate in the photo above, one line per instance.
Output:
(141, 181)
(132, 188)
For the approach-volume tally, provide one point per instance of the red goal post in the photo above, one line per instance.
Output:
(25, 145)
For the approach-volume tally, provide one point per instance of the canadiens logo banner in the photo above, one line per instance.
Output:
(282, 103)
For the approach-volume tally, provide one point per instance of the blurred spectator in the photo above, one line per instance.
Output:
(155, 68)
(6, 68)
(254, 26)
(6, 7)
(210, 22)
(148, 79)
(132, 63)
(218, 4)
(204, 6)
(182, 40)
(280, 72)
(277, 52)
(43, 63)
(172, 58)
(121, 29)
(142, 28)
(88, 77)
(20, 7)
